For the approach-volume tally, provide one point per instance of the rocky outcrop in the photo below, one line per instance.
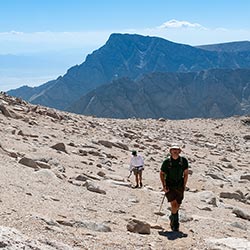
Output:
(137, 226)
(11, 238)
(212, 93)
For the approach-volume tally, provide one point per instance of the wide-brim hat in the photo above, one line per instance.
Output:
(175, 146)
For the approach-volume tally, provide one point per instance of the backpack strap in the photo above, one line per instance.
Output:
(171, 164)
(181, 161)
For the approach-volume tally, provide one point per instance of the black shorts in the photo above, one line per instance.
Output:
(175, 194)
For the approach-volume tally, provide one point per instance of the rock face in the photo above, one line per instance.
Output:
(131, 56)
(83, 199)
(211, 94)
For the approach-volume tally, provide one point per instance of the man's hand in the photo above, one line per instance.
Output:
(165, 189)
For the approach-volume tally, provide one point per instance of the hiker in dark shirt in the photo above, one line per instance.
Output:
(174, 176)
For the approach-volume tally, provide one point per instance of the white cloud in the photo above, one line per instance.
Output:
(14, 42)
(175, 24)
(195, 34)
(186, 32)
(13, 32)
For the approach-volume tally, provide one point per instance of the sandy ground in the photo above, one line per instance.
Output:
(51, 202)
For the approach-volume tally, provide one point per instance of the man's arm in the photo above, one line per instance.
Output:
(185, 178)
(163, 182)
(131, 167)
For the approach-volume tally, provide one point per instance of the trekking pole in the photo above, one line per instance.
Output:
(160, 208)
(129, 174)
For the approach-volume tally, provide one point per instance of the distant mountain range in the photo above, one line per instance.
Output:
(243, 46)
(211, 93)
(165, 78)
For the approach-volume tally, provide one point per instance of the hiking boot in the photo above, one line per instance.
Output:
(136, 186)
(175, 227)
(140, 184)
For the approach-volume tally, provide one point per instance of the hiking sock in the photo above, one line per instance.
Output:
(171, 218)
(177, 216)
(176, 221)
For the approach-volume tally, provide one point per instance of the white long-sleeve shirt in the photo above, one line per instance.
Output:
(136, 161)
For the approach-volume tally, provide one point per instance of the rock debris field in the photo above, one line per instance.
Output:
(64, 181)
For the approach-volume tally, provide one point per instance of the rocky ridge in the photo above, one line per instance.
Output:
(64, 181)
(213, 93)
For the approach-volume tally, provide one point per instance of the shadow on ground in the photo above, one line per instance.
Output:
(171, 235)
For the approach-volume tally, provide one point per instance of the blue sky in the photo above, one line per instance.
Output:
(81, 26)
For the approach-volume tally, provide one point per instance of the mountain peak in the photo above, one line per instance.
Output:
(131, 56)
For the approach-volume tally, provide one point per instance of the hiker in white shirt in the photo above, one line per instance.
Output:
(136, 165)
